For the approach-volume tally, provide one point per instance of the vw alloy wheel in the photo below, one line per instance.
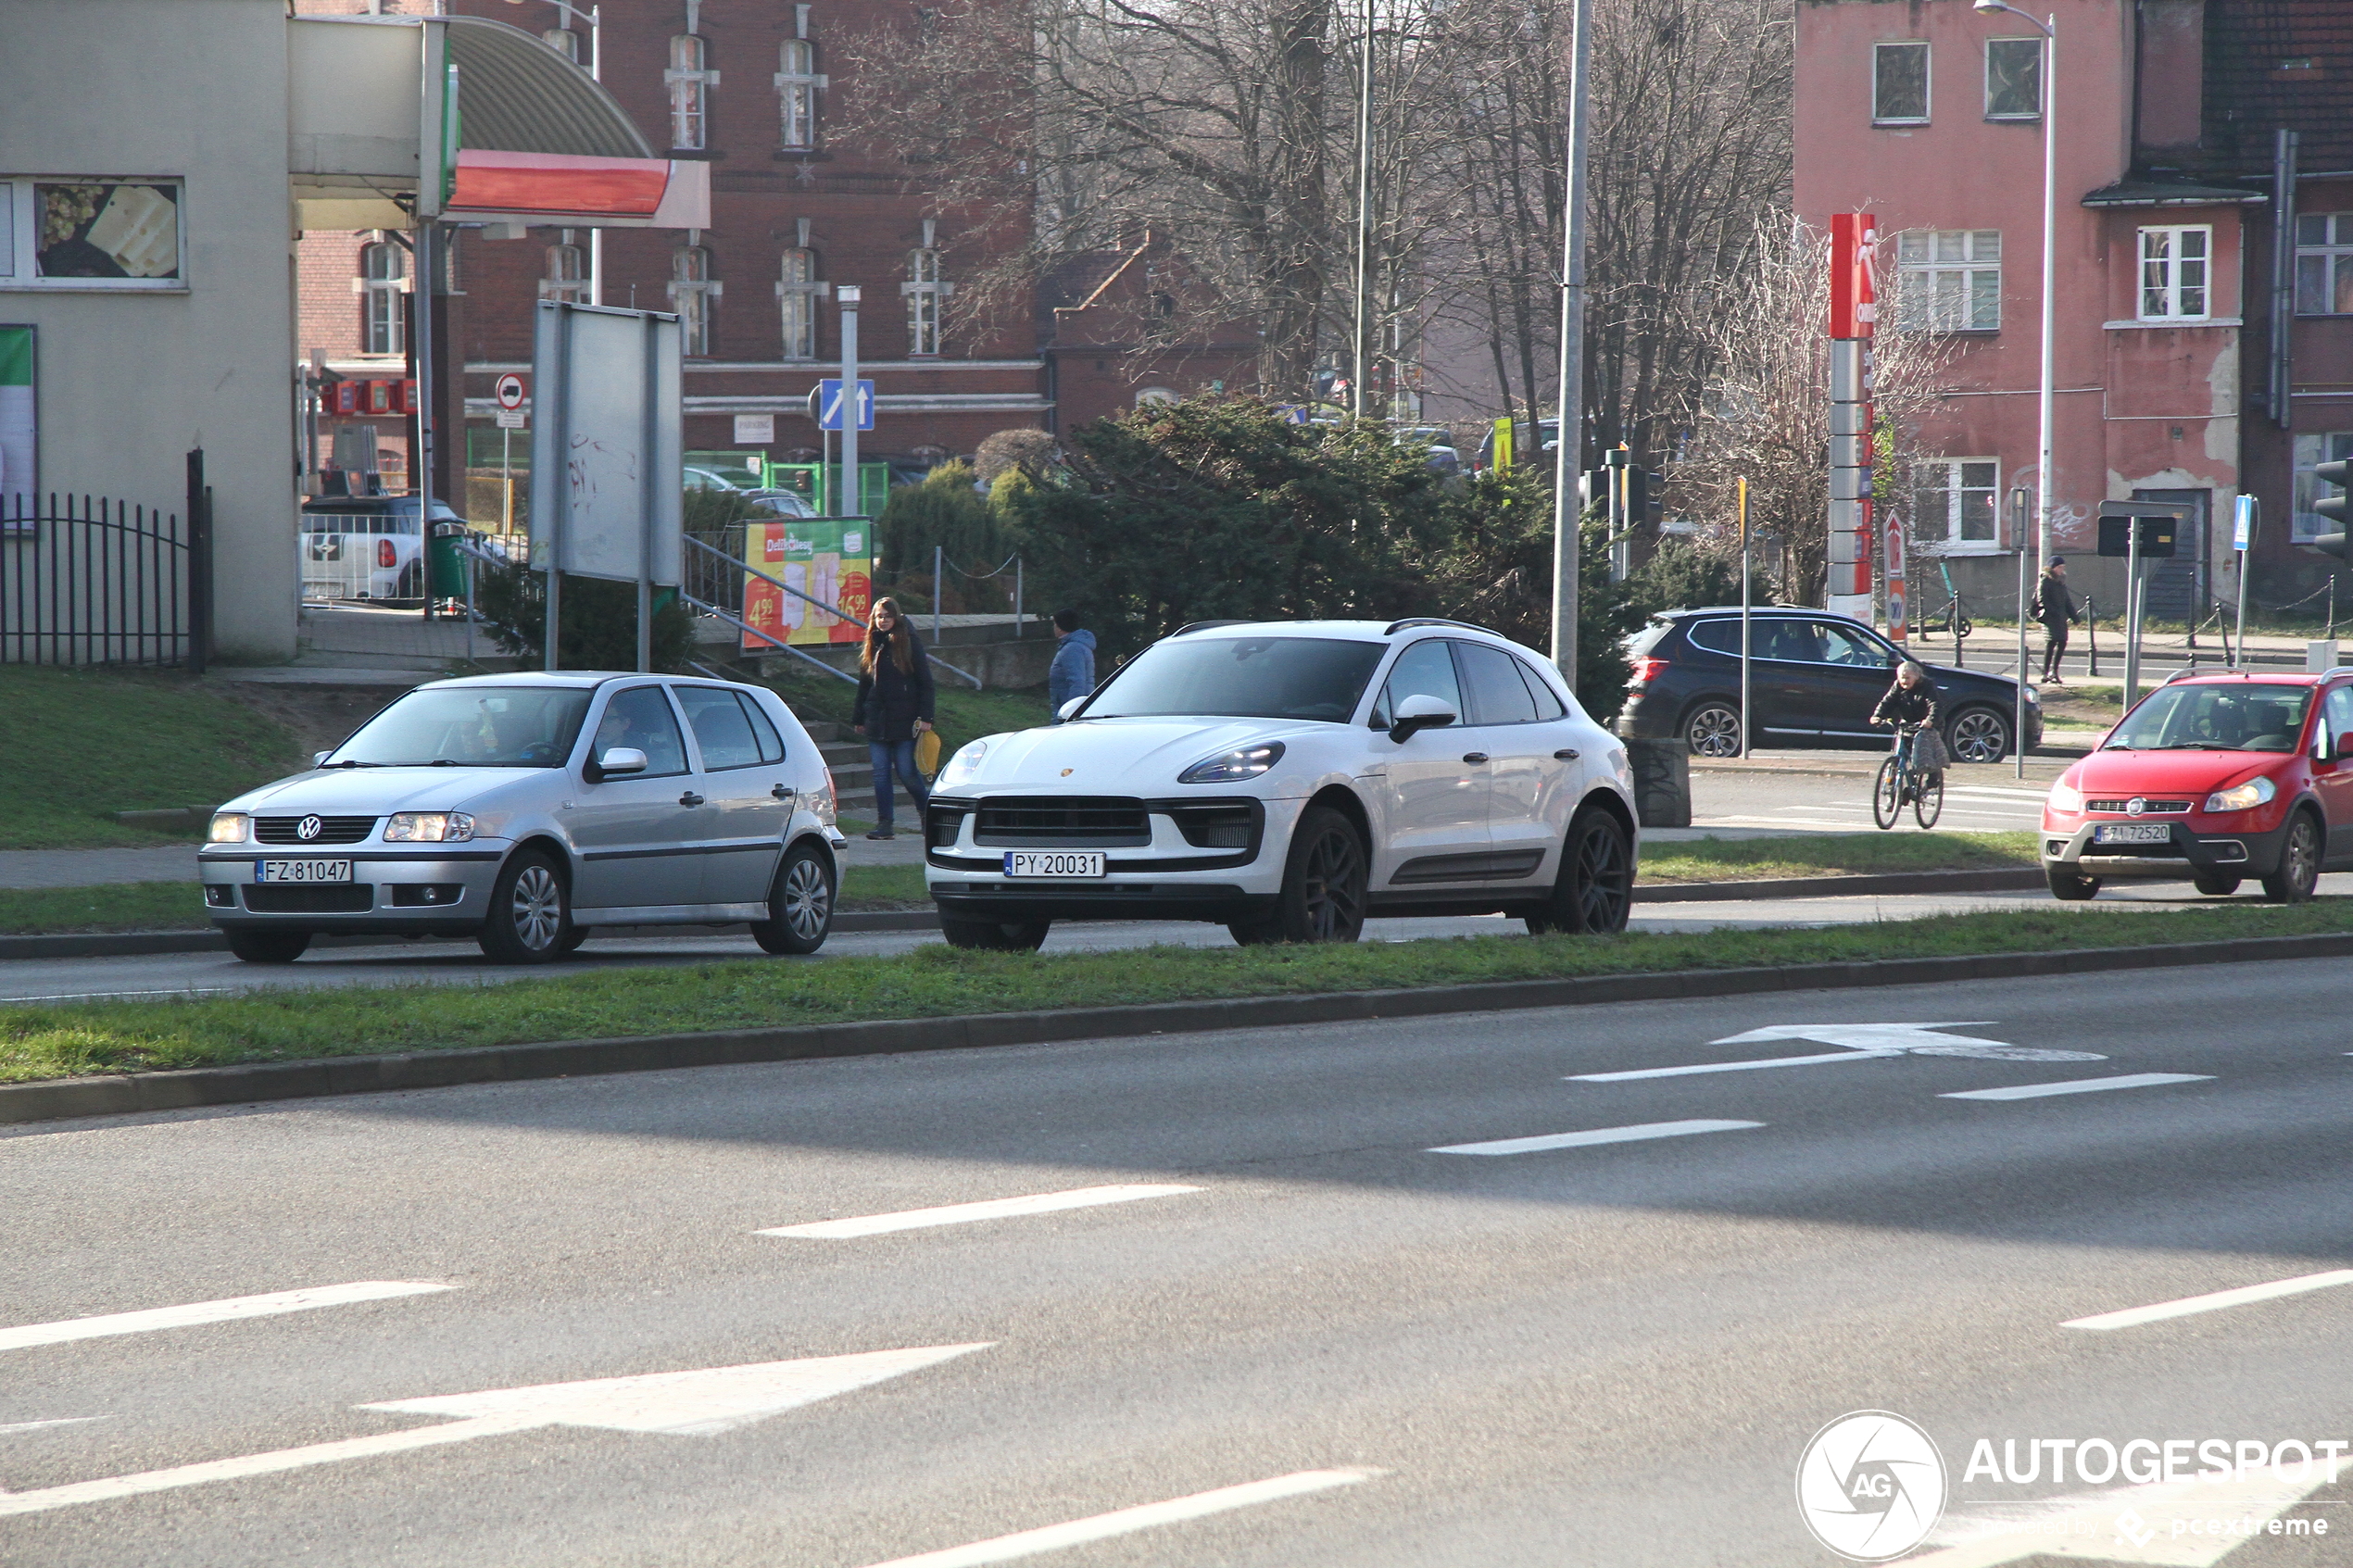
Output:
(538, 909)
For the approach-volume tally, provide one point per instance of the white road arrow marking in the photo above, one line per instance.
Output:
(1857, 1042)
(700, 1404)
(228, 1310)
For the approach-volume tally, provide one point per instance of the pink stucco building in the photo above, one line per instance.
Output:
(1929, 116)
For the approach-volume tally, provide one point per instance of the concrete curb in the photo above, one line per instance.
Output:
(130, 944)
(191, 1088)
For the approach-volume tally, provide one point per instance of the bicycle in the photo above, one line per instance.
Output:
(1900, 784)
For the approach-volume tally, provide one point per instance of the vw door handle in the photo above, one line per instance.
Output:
(779, 792)
(1565, 754)
(1474, 757)
(690, 798)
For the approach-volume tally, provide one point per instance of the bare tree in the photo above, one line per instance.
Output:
(1763, 415)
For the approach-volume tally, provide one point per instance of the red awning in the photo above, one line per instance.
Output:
(562, 187)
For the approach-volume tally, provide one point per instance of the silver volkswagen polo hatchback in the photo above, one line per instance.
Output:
(525, 811)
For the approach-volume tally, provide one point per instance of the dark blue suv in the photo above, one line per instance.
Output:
(1814, 678)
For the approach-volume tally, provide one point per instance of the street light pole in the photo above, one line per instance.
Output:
(1569, 448)
(1363, 214)
(2044, 410)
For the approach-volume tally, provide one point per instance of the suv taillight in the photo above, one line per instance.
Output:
(1648, 670)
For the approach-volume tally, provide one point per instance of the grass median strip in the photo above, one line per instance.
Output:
(54, 1040)
(1837, 854)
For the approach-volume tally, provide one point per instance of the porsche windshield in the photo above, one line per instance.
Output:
(2251, 716)
(470, 727)
(1310, 678)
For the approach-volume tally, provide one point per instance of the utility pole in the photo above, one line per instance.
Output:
(1363, 214)
(847, 503)
(1569, 450)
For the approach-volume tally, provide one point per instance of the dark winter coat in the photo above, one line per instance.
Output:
(889, 702)
(1906, 705)
(2053, 606)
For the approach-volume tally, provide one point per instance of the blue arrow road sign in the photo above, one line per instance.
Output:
(828, 399)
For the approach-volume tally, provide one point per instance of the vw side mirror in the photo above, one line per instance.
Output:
(1417, 713)
(620, 762)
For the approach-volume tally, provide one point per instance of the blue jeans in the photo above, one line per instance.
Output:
(894, 757)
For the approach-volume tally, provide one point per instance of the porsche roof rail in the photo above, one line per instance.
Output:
(1397, 626)
(1204, 626)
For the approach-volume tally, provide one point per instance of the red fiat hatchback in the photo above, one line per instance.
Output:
(2217, 778)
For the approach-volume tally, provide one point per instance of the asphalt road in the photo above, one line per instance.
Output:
(1598, 1353)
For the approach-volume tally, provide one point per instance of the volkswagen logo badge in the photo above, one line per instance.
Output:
(2135, 805)
(308, 828)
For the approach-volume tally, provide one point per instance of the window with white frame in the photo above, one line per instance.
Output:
(1950, 280)
(692, 291)
(797, 84)
(384, 276)
(2324, 264)
(72, 233)
(2013, 78)
(689, 85)
(923, 291)
(1899, 83)
(2312, 451)
(798, 291)
(566, 279)
(1955, 504)
(564, 42)
(2175, 264)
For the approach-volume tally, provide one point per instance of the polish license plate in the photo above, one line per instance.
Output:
(302, 870)
(2133, 832)
(1054, 862)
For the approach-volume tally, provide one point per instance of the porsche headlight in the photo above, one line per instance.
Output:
(1233, 767)
(2066, 799)
(2242, 797)
(963, 766)
(229, 827)
(429, 827)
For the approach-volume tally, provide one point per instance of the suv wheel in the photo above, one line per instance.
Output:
(530, 912)
(2073, 887)
(1323, 880)
(1596, 891)
(992, 936)
(801, 904)
(1713, 729)
(269, 947)
(2299, 869)
(1977, 735)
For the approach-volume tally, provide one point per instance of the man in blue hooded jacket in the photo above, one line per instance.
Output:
(1072, 671)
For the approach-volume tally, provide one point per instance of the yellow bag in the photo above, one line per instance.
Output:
(927, 753)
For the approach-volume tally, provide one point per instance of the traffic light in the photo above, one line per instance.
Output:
(1645, 502)
(2332, 508)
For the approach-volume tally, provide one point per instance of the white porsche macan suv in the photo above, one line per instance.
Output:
(1285, 780)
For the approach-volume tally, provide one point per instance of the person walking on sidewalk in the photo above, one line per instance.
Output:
(895, 705)
(1072, 671)
(2054, 606)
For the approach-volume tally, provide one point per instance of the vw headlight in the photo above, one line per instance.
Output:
(1233, 767)
(963, 766)
(2242, 797)
(2066, 799)
(429, 827)
(229, 827)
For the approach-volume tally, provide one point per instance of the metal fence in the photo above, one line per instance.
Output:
(86, 579)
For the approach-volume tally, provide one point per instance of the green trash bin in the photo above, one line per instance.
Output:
(444, 565)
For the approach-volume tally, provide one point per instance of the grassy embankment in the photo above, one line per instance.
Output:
(91, 744)
(50, 1040)
(171, 906)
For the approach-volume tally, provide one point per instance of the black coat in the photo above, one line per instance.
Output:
(2053, 606)
(889, 702)
(1915, 705)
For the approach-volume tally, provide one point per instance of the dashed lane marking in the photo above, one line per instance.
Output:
(230, 1311)
(2082, 1085)
(2188, 1306)
(1595, 1136)
(968, 1213)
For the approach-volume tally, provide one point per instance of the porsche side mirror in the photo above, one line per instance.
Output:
(1419, 712)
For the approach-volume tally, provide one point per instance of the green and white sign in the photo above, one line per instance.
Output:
(19, 428)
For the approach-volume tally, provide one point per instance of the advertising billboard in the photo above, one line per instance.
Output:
(829, 559)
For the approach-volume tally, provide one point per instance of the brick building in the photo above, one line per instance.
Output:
(1929, 116)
